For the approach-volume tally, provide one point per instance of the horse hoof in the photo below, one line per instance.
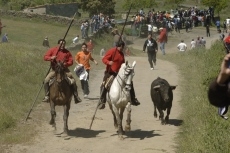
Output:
(127, 128)
(121, 137)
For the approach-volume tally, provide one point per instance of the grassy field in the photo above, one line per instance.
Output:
(23, 70)
(202, 130)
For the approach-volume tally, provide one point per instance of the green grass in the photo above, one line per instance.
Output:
(202, 130)
(23, 70)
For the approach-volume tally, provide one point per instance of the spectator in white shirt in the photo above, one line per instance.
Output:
(182, 46)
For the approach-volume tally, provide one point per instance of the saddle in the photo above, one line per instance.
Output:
(68, 80)
(107, 84)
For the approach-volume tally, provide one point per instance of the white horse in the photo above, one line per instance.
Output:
(118, 97)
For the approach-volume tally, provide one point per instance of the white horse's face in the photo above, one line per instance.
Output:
(128, 74)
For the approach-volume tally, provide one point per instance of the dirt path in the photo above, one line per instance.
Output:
(147, 135)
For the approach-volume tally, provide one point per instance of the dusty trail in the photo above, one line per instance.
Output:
(147, 135)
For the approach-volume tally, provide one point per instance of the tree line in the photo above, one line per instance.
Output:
(105, 6)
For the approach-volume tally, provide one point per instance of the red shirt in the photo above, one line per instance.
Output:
(163, 36)
(227, 40)
(62, 55)
(116, 56)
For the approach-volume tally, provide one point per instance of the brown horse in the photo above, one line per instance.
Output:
(60, 95)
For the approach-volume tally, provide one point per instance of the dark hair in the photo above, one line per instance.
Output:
(120, 43)
(84, 44)
(61, 40)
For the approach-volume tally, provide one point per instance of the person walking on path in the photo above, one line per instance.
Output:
(83, 58)
(152, 49)
(182, 46)
(113, 60)
(60, 53)
(207, 30)
(162, 39)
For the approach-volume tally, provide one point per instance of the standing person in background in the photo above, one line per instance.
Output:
(46, 43)
(162, 39)
(60, 53)
(203, 42)
(102, 52)
(116, 37)
(83, 58)
(182, 46)
(152, 49)
(90, 46)
(207, 30)
(150, 29)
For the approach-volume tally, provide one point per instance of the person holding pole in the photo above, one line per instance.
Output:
(113, 60)
(60, 53)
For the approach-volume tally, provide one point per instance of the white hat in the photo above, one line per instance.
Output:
(160, 28)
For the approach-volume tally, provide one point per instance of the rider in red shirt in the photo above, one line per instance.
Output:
(59, 53)
(113, 60)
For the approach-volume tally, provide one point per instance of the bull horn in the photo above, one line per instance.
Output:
(156, 87)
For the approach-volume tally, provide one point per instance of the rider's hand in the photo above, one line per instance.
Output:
(53, 57)
(110, 62)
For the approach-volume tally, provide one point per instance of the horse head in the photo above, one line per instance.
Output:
(60, 71)
(128, 74)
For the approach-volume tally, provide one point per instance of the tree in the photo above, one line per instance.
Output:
(137, 4)
(177, 2)
(218, 5)
(98, 6)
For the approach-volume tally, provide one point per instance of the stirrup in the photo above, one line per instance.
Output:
(45, 99)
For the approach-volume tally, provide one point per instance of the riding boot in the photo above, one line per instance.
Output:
(134, 100)
(102, 99)
(47, 92)
(75, 94)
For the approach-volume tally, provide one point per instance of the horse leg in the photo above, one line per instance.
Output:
(121, 117)
(53, 114)
(65, 118)
(128, 120)
(114, 117)
(116, 111)
(167, 116)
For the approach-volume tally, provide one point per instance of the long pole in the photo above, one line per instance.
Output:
(112, 60)
(49, 69)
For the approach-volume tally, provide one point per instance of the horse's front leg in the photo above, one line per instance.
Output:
(65, 118)
(116, 112)
(121, 117)
(114, 117)
(128, 121)
(53, 114)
